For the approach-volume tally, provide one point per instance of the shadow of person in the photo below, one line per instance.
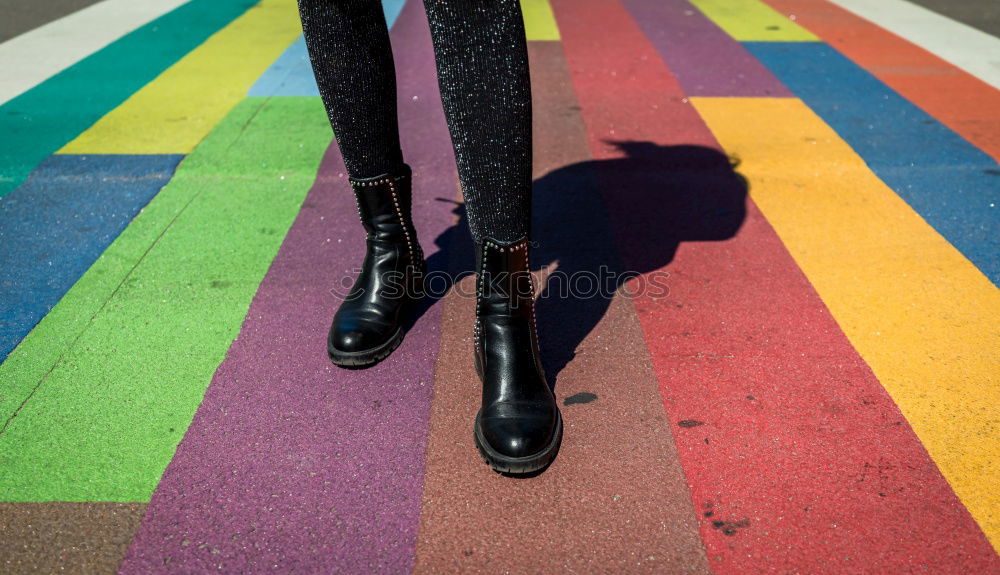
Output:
(592, 218)
(598, 223)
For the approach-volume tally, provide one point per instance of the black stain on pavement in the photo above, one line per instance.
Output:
(582, 397)
(729, 528)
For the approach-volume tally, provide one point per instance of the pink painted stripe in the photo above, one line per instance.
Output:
(291, 461)
(705, 59)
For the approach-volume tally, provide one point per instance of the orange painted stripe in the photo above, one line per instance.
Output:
(957, 99)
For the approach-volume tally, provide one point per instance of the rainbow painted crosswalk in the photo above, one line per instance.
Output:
(816, 391)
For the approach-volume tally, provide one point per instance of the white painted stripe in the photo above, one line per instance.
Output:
(970, 49)
(35, 56)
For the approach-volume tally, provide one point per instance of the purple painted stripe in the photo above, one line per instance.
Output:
(291, 462)
(707, 61)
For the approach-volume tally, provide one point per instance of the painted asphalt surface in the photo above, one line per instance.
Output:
(814, 391)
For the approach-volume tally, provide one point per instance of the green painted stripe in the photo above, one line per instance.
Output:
(135, 342)
(753, 21)
(45, 118)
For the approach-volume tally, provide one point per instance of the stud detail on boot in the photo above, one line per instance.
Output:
(367, 326)
(519, 428)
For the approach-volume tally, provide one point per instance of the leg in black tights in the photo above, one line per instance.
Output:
(482, 65)
(349, 48)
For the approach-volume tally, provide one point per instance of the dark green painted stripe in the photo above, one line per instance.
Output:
(42, 120)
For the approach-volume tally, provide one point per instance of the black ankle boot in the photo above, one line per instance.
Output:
(518, 428)
(368, 325)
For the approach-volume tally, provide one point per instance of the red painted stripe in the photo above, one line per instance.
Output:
(797, 459)
(956, 98)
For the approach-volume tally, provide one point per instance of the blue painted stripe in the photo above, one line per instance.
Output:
(948, 181)
(292, 75)
(54, 226)
(44, 119)
(392, 8)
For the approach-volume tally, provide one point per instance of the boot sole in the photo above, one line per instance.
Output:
(518, 465)
(365, 358)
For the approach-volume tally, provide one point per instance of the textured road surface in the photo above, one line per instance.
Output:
(767, 257)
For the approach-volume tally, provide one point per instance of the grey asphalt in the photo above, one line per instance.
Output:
(19, 16)
(981, 14)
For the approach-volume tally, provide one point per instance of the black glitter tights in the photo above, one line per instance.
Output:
(482, 67)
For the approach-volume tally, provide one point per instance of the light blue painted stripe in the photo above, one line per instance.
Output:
(291, 74)
(951, 183)
(392, 8)
(55, 225)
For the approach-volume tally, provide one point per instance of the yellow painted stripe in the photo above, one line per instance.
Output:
(171, 114)
(919, 313)
(753, 21)
(539, 22)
